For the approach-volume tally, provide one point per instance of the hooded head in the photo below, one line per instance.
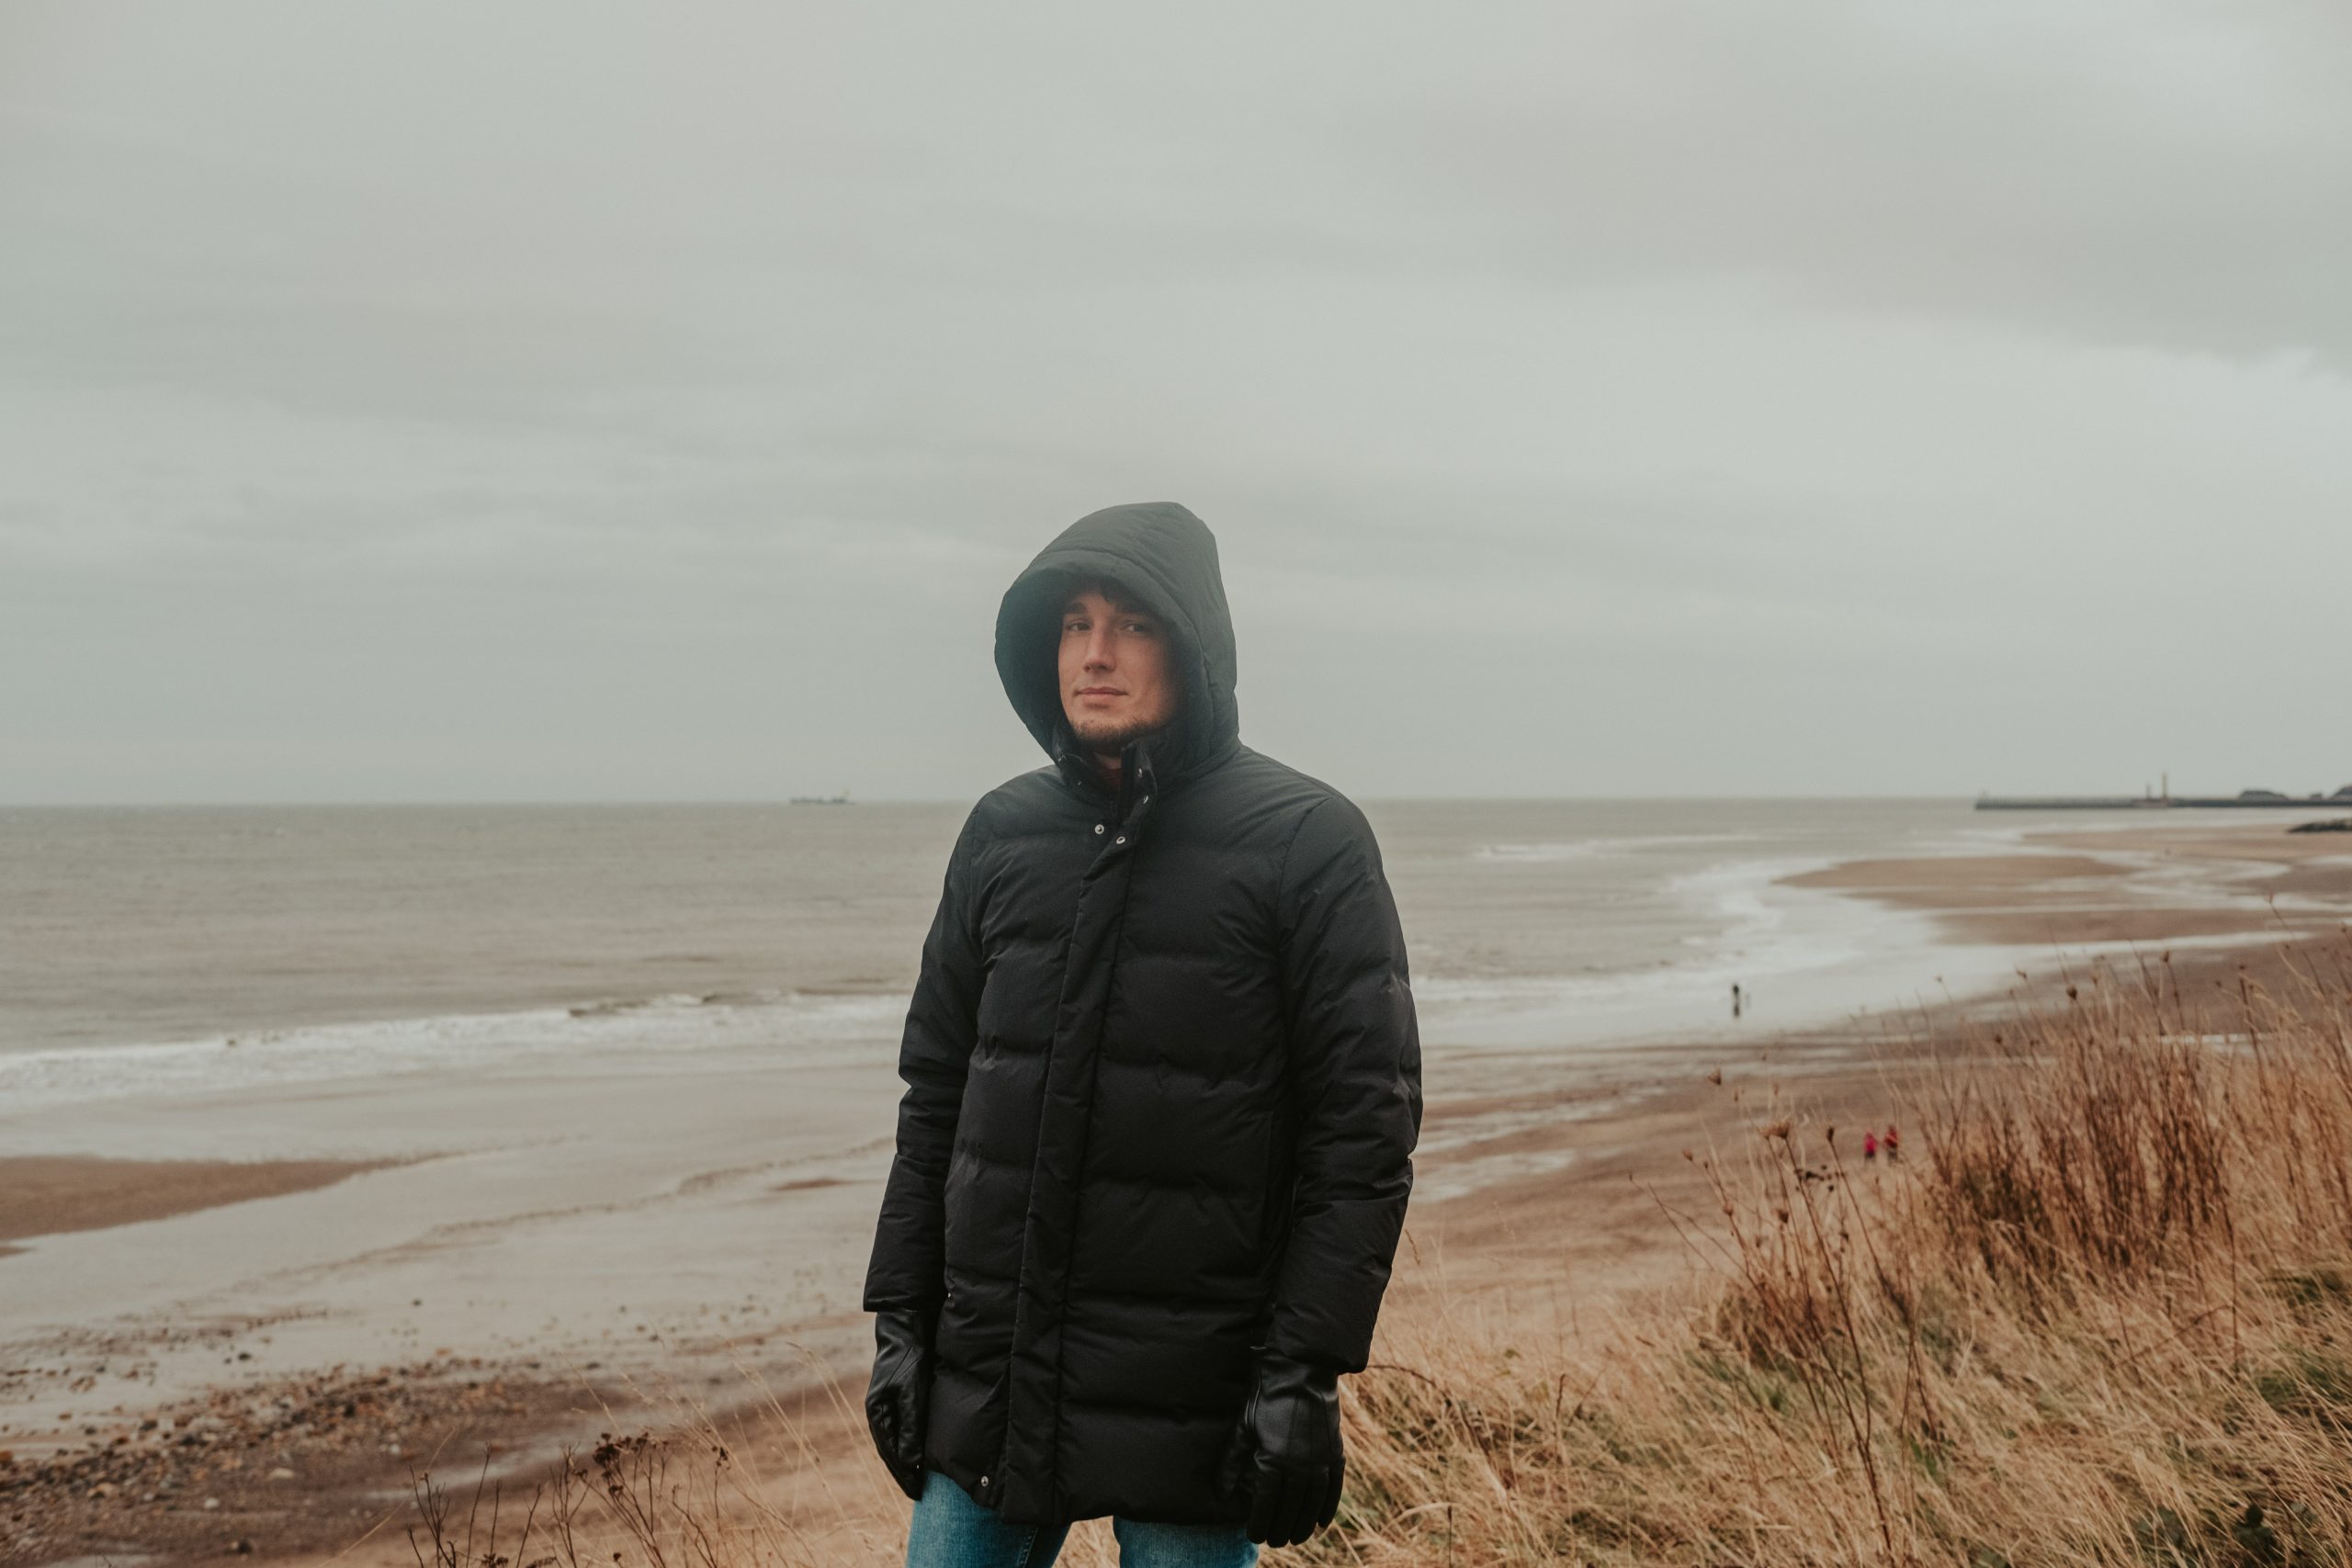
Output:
(1164, 557)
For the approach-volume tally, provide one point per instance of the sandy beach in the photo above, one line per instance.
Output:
(237, 1343)
(2127, 883)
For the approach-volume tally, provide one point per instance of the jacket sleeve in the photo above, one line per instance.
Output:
(908, 1269)
(1355, 1074)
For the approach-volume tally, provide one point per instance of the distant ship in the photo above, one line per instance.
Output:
(841, 799)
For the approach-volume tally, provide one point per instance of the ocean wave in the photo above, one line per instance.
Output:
(668, 1028)
(1586, 848)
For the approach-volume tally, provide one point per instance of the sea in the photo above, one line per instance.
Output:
(623, 1076)
(154, 951)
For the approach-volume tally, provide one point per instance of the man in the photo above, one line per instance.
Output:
(1163, 1085)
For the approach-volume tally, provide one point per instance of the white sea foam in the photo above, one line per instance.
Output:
(1587, 848)
(1802, 958)
(665, 1033)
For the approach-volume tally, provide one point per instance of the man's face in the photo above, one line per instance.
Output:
(1116, 683)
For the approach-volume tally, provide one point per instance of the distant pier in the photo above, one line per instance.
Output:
(2249, 800)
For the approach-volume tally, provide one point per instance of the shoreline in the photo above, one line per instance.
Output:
(1553, 1194)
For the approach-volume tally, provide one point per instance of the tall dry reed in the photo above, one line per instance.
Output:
(2100, 1312)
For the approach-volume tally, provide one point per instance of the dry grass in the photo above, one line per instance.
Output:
(2101, 1311)
(692, 1495)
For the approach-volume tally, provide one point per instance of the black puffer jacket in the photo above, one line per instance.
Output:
(1163, 1079)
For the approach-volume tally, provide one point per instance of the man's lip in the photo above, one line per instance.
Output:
(1100, 691)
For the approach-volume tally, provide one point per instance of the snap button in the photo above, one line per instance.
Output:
(1120, 840)
(1098, 827)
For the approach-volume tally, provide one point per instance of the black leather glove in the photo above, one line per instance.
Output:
(1285, 1453)
(897, 1398)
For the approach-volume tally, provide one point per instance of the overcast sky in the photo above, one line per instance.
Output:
(567, 402)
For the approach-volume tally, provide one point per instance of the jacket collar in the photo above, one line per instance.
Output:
(1160, 761)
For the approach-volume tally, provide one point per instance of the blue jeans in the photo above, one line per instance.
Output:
(950, 1531)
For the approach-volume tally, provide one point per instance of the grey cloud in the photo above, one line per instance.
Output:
(574, 402)
(2136, 173)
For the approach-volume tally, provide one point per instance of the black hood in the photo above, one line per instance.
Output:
(1165, 557)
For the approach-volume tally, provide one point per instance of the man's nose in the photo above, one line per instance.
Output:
(1098, 648)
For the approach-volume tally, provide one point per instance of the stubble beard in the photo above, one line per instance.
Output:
(1109, 737)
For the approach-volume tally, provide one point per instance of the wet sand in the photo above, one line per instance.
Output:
(2292, 865)
(2134, 884)
(1560, 1203)
(54, 1194)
